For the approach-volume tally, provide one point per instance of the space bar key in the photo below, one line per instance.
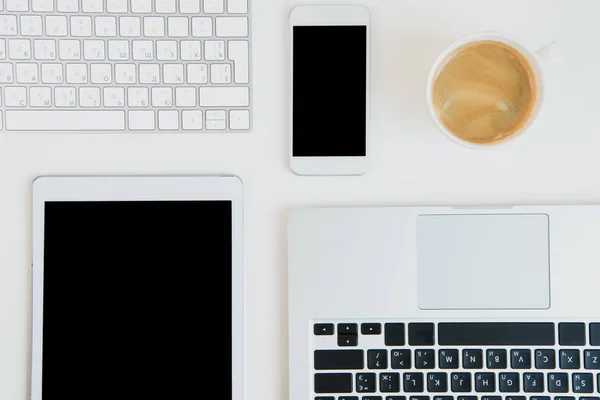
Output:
(65, 120)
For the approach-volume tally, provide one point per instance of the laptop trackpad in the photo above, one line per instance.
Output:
(493, 261)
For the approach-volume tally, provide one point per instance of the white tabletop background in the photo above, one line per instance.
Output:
(556, 161)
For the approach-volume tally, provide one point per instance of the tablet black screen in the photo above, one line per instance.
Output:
(137, 299)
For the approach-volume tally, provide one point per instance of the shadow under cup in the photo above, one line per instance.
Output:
(484, 90)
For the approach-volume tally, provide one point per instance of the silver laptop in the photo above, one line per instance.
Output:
(415, 303)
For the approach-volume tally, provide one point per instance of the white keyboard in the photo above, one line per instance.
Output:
(125, 65)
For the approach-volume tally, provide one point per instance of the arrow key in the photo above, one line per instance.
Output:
(323, 329)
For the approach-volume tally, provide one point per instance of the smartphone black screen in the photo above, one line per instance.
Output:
(329, 91)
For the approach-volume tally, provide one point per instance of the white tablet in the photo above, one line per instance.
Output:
(137, 288)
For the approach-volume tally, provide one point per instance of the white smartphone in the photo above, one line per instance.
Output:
(330, 63)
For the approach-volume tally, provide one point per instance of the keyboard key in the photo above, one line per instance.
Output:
(67, 6)
(545, 359)
(372, 398)
(165, 6)
(401, 359)
(564, 398)
(413, 382)
(515, 398)
(333, 383)
(461, 382)
(492, 398)
(467, 397)
(437, 382)
(509, 382)
(90, 96)
(17, 5)
(228, 96)
(31, 25)
(116, 6)
(8, 25)
(63, 120)
(583, 383)
(425, 359)
(520, 359)
(339, 359)
(92, 6)
(370, 329)
(56, 25)
(192, 119)
(539, 398)
(496, 359)
(421, 334)
(323, 329)
(347, 333)
(595, 334)
(42, 5)
(14, 96)
(592, 359)
(202, 27)
(473, 359)
(231, 26)
(238, 53)
(237, 6)
(213, 6)
(40, 96)
(141, 120)
(394, 334)
(377, 359)
(571, 334)
(106, 26)
(569, 359)
(496, 333)
(558, 383)
(446, 398)
(589, 398)
(168, 120)
(419, 398)
(485, 382)
(326, 398)
(348, 398)
(448, 359)
(389, 382)
(342, 341)
(533, 382)
(390, 398)
(365, 382)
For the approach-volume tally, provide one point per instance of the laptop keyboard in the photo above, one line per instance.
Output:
(456, 361)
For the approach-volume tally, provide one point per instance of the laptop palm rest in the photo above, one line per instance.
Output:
(487, 261)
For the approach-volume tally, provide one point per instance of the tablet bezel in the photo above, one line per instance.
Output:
(142, 188)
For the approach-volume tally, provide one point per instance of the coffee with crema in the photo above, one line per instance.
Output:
(484, 91)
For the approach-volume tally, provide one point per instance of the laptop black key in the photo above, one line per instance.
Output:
(533, 382)
(496, 359)
(323, 329)
(394, 334)
(395, 397)
(467, 397)
(569, 359)
(333, 383)
(413, 382)
(370, 329)
(377, 359)
(509, 382)
(372, 398)
(589, 398)
(461, 382)
(492, 398)
(437, 382)
(324, 398)
(425, 359)
(348, 398)
(496, 333)
(473, 359)
(545, 359)
(515, 398)
(485, 382)
(564, 398)
(339, 359)
(448, 359)
(443, 397)
(419, 398)
(571, 334)
(558, 382)
(539, 398)
(592, 359)
(365, 382)
(347, 334)
(583, 383)
(595, 334)
(520, 359)
(421, 334)
(389, 382)
(401, 359)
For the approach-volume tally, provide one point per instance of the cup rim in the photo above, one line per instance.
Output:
(480, 36)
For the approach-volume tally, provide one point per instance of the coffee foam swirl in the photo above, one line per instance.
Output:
(484, 91)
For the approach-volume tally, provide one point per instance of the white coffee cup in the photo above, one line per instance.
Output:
(530, 56)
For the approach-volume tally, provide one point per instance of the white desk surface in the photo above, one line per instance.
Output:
(556, 161)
